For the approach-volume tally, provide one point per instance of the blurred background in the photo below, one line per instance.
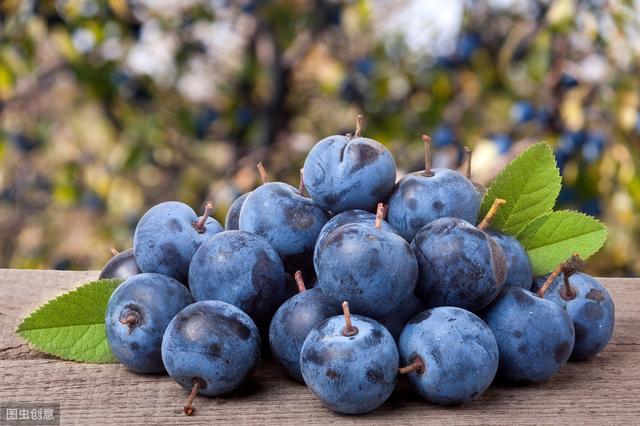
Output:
(108, 107)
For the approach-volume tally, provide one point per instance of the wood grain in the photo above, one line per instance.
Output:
(604, 390)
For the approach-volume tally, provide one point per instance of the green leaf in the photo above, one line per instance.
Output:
(530, 184)
(71, 326)
(552, 238)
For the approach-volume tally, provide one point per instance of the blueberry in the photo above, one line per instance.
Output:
(344, 173)
(349, 216)
(589, 305)
(138, 313)
(395, 320)
(422, 197)
(167, 237)
(519, 272)
(460, 265)
(123, 265)
(450, 355)
(232, 221)
(211, 347)
(522, 111)
(350, 364)
(287, 220)
(374, 270)
(292, 323)
(239, 268)
(535, 336)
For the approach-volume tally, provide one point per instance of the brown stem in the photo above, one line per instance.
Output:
(359, 125)
(199, 225)
(301, 186)
(197, 384)
(380, 213)
(349, 329)
(568, 268)
(467, 151)
(299, 281)
(491, 214)
(263, 173)
(417, 365)
(131, 319)
(552, 276)
(427, 155)
(114, 251)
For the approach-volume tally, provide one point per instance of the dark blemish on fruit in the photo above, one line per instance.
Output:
(451, 319)
(330, 200)
(175, 226)
(412, 203)
(374, 375)
(134, 346)
(315, 357)
(592, 311)
(215, 351)
(233, 326)
(562, 352)
(298, 218)
(516, 333)
(332, 374)
(522, 298)
(363, 155)
(421, 317)
(374, 338)
(523, 348)
(499, 261)
(417, 223)
(596, 295)
(437, 205)
(581, 331)
(437, 355)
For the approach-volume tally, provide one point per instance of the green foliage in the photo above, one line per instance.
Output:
(71, 326)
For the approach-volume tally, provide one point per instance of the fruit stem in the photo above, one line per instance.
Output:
(263, 173)
(301, 186)
(131, 319)
(299, 281)
(188, 407)
(491, 214)
(199, 225)
(570, 267)
(467, 151)
(349, 329)
(114, 251)
(417, 365)
(552, 276)
(359, 125)
(381, 212)
(427, 155)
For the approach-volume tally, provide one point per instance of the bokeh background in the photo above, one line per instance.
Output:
(108, 107)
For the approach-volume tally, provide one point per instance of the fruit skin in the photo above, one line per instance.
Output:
(373, 270)
(350, 375)
(460, 265)
(418, 200)
(519, 272)
(397, 319)
(213, 341)
(239, 268)
(349, 216)
(342, 173)
(156, 299)
(165, 239)
(292, 323)
(535, 336)
(232, 221)
(592, 312)
(288, 221)
(459, 351)
(123, 265)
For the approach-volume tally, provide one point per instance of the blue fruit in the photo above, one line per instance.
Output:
(287, 220)
(349, 216)
(460, 265)
(443, 136)
(350, 373)
(343, 173)
(374, 270)
(418, 200)
(138, 313)
(292, 323)
(452, 354)
(522, 111)
(519, 272)
(591, 308)
(212, 343)
(167, 237)
(232, 221)
(239, 268)
(123, 265)
(395, 320)
(535, 336)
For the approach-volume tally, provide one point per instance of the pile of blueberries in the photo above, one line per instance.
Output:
(430, 292)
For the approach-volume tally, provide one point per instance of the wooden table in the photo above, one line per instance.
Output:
(604, 390)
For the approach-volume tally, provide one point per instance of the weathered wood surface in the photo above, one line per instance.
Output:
(604, 390)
